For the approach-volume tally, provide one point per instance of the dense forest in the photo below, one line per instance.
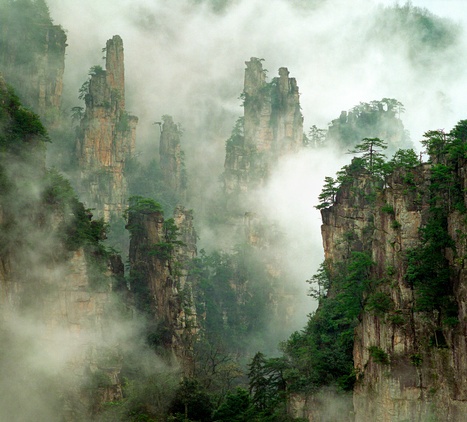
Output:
(135, 285)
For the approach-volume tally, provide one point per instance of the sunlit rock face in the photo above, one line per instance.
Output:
(424, 376)
(107, 137)
(160, 251)
(32, 59)
(272, 127)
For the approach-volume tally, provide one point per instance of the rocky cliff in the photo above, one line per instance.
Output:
(160, 250)
(272, 126)
(377, 119)
(32, 56)
(171, 158)
(106, 137)
(409, 350)
(55, 284)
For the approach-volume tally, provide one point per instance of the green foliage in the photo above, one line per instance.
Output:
(26, 27)
(266, 382)
(81, 230)
(379, 303)
(428, 269)
(327, 197)
(416, 359)
(191, 402)
(349, 172)
(404, 158)
(320, 282)
(140, 205)
(237, 137)
(427, 37)
(83, 90)
(123, 123)
(370, 151)
(316, 137)
(369, 120)
(96, 70)
(77, 113)
(396, 225)
(147, 181)
(321, 354)
(164, 250)
(396, 318)
(20, 127)
(236, 407)
(379, 355)
(235, 291)
(389, 209)
(58, 191)
(147, 397)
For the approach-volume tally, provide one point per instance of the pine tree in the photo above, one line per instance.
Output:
(327, 196)
(371, 152)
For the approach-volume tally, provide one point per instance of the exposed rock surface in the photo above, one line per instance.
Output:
(107, 137)
(171, 160)
(272, 127)
(159, 253)
(378, 119)
(54, 291)
(425, 376)
(32, 58)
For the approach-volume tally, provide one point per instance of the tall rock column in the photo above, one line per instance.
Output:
(107, 136)
(159, 253)
(171, 158)
(272, 126)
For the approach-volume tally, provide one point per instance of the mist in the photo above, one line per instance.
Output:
(186, 59)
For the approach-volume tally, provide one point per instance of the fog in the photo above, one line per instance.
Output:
(187, 59)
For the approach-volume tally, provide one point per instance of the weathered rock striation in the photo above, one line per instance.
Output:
(106, 138)
(272, 126)
(32, 57)
(409, 359)
(55, 284)
(159, 253)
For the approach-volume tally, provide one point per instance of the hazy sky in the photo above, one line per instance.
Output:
(188, 62)
(183, 60)
(454, 9)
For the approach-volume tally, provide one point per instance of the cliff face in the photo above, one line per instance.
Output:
(159, 253)
(410, 360)
(272, 127)
(378, 119)
(55, 285)
(171, 160)
(32, 57)
(107, 137)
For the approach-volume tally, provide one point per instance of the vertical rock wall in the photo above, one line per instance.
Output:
(171, 161)
(159, 253)
(272, 127)
(107, 137)
(32, 59)
(424, 376)
(57, 358)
